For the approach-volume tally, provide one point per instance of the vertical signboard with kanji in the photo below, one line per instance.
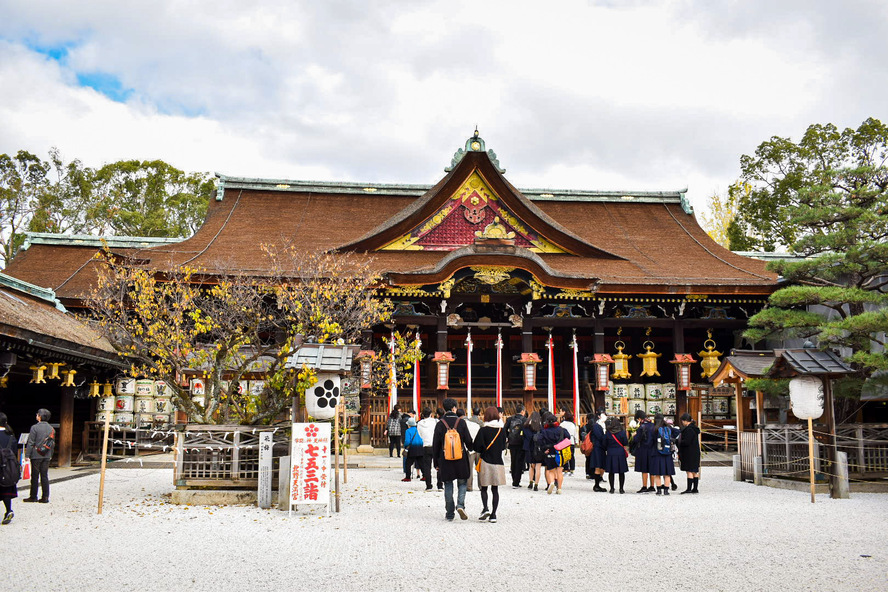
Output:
(310, 473)
(266, 445)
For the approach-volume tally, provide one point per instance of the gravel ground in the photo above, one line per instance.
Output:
(392, 536)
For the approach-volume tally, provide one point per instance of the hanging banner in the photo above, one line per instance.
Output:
(416, 375)
(393, 376)
(499, 369)
(310, 454)
(469, 374)
(576, 378)
(551, 391)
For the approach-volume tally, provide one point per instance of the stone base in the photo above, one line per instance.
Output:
(216, 497)
(365, 449)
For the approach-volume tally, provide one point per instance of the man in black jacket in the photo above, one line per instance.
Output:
(513, 427)
(451, 470)
(40, 461)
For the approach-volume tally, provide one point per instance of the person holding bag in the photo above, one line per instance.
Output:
(490, 444)
(617, 452)
(41, 442)
(413, 446)
(555, 442)
(8, 492)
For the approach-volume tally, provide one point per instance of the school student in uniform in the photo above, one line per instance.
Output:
(689, 452)
(615, 462)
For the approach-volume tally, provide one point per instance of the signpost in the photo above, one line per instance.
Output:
(310, 472)
(265, 458)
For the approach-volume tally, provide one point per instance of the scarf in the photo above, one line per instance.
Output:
(496, 423)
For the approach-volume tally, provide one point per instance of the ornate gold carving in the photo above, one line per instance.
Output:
(495, 230)
(537, 289)
(574, 294)
(474, 189)
(445, 287)
(492, 275)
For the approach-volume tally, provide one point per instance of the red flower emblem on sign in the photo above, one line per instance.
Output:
(311, 431)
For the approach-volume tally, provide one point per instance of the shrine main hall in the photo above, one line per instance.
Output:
(534, 286)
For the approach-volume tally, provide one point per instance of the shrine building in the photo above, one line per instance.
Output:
(517, 293)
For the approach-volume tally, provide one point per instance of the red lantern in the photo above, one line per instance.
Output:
(529, 361)
(602, 371)
(683, 371)
(365, 358)
(443, 360)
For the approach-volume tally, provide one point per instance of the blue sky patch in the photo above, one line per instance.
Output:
(107, 84)
(57, 52)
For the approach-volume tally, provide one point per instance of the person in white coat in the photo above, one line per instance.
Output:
(426, 429)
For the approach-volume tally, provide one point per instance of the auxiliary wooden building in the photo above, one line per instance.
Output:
(514, 280)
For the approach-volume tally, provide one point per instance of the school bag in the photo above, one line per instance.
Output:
(586, 445)
(638, 440)
(516, 437)
(664, 446)
(538, 451)
(10, 469)
(453, 448)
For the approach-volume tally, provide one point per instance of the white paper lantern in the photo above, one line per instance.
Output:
(322, 397)
(806, 397)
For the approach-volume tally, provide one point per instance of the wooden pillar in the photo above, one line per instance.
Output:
(66, 427)
(760, 407)
(738, 393)
(526, 335)
(441, 342)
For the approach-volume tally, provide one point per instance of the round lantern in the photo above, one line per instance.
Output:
(806, 397)
(322, 397)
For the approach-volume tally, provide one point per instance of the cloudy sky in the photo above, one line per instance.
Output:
(589, 95)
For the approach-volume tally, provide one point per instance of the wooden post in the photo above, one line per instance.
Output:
(345, 450)
(66, 427)
(104, 459)
(336, 455)
(811, 455)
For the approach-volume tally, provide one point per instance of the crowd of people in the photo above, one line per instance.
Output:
(468, 450)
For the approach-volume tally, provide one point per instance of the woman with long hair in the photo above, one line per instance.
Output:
(616, 444)
(660, 462)
(532, 452)
(599, 450)
(555, 442)
(689, 451)
(490, 444)
(10, 492)
(393, 431)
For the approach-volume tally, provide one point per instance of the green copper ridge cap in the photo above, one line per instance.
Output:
(32, 290)
(475, 144)
(686, 203)
(88, 240)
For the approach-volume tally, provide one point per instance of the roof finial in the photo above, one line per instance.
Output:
(476, 130)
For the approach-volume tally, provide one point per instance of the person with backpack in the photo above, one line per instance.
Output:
(617, 452)
(393, 431)
(10, 469)
(568, 424)
(426, 429)
(689, 451)
(490, 444)
(514, 429)
(555, 442)
(660, 464)
(640, 447)
(414, 449)
(532, 451)
(41, 442)
(450, 447)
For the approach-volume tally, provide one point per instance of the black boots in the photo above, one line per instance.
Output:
(696, 482)
(692, 486)
(662, 490)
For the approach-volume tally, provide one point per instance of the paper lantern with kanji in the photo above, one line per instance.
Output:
(602, 364)
(443, 360)
(529, 361)
(683, 370)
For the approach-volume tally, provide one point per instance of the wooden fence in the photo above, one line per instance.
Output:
(867, 448)
(225, 455)
(750, 447)
(124, 441)
(785, 451)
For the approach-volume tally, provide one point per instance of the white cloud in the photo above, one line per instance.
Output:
(648, 95)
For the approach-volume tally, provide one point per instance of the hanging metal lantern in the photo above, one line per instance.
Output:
(69, 377)
(602, 364)
(94, 388)
(365, 358)
(621, 362)
(649, 358)
(529, 361)
(107, 389)
(683, 370)
(710, 361)
(38, 370)
(54, 370)
(443, 360)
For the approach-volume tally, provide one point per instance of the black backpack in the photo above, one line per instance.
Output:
(516, 437)
(664, 444)
(638, 440)
(539, 452)
(10, 469)
(46, 446)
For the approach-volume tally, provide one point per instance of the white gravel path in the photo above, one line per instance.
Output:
(392, 536)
